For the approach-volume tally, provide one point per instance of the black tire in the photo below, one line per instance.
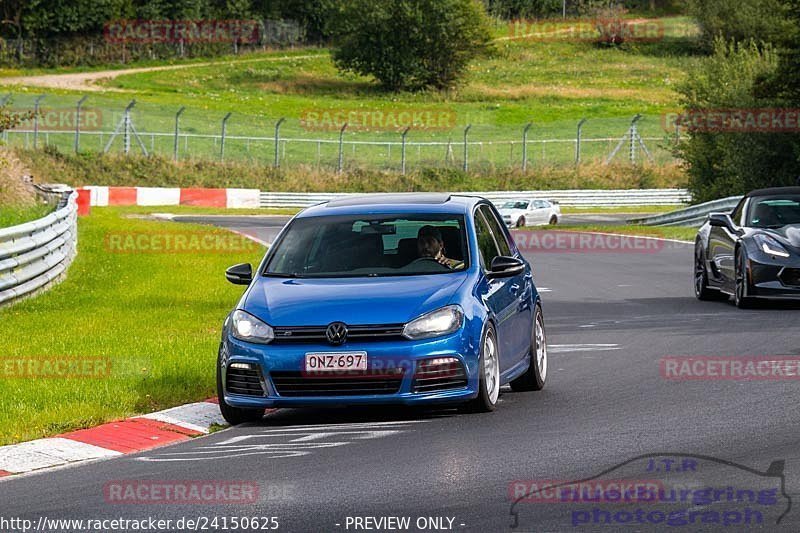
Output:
(521, 222)
(484, 403)
(234, 415)
(701, 289)
(742, 285)
(536, 375)
(553, 220)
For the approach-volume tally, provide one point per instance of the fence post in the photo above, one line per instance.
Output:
(578, 141)
(222, 139)
(634, 137)
(177, 133)
(525, 146)
(403, 151)
(36, 120)
(341, 149)
(277, 142)
(466, 147)
(126, 136)
(78, 123)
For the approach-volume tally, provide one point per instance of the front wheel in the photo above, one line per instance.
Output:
(536, 375)
(740, 295)
(234, 415)
(489, 389)
(521, 222)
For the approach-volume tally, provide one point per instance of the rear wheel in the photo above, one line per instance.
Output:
(234, 415)
(701, 289)
(553, 220)
(535, 376)
(489, 388)
(740, 295)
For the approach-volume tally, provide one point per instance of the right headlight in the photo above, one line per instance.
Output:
(770, 246)
(246, 327)
(437, 323)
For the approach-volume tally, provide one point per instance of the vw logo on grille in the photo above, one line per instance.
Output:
(336, 333)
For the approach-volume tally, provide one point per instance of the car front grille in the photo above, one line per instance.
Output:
(336, 384)
(316, 334)
(439, 374)
(244, 381)
(790, 277)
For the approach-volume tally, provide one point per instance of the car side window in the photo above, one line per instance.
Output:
(497, 232)
(541, 204)
(486, 244)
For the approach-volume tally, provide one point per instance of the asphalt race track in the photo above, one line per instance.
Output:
(606, 411)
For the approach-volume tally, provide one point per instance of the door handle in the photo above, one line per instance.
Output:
(514, 288)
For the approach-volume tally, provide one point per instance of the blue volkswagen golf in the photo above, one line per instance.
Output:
(407, 299)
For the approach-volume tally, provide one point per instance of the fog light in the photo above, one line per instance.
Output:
(242, 366)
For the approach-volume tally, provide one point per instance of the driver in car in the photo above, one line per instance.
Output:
(430, 244)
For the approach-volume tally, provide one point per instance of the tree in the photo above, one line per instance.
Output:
(410, 44)
(760, 20)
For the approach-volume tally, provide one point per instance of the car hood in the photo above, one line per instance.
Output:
(355, 301)
(786, 235)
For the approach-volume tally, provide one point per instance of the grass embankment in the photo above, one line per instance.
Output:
(95, 169)
(553, 82)
(18, 201)
(154, 317)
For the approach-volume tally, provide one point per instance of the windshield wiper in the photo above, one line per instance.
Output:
(292, 275)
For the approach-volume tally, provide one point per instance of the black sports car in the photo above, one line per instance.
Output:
(753, 252)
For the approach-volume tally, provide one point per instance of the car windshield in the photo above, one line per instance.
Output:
(515, 205)
(774, 211)
(370, 245)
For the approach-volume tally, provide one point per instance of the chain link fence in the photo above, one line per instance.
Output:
(392, 142)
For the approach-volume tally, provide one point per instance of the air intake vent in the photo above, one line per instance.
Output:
(350, 384)
(444, 373)
(244, 379)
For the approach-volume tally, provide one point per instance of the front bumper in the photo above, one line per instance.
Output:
(774, 278)
(400, 356)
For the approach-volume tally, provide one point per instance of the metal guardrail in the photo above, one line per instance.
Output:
(569, 198)
(693, 216)
(36, 254)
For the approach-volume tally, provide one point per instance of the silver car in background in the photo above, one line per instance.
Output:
(519, 213)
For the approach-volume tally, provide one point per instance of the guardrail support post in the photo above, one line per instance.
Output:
(277, 142)
(177, 133)
(36, 120)
(528, 127)
(222, 138)
(340, 165)
(466, 147)
(578, 141)
(403, 151)
(78, 125)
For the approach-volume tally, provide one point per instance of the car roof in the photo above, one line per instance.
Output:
(774, 191)
(394, 203)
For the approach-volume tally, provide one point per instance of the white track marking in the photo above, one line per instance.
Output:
(564, 348)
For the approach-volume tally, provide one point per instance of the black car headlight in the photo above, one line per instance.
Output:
(437, 323)
(770, 246)
(246, 327)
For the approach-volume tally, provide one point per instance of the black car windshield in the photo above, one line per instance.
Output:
(370, 245)
(774, 211)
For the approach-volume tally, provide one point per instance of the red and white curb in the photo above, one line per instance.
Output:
(113, 439)
(156, 196)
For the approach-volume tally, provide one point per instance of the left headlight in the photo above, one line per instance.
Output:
(246, 327)
(437, 323)
(770, 246)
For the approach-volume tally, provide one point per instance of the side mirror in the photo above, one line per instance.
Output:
(241, 274)
(505, 267)
(722, 220)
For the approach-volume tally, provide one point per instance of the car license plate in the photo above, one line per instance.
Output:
(336, 361)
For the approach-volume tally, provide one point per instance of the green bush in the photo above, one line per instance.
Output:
(411, 44)
(760, 20)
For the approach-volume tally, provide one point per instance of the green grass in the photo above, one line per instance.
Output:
(12, 216)
(552, 84)
(676, 233)
(156, 316)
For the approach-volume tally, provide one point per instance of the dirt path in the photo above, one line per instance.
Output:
(88, 81)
